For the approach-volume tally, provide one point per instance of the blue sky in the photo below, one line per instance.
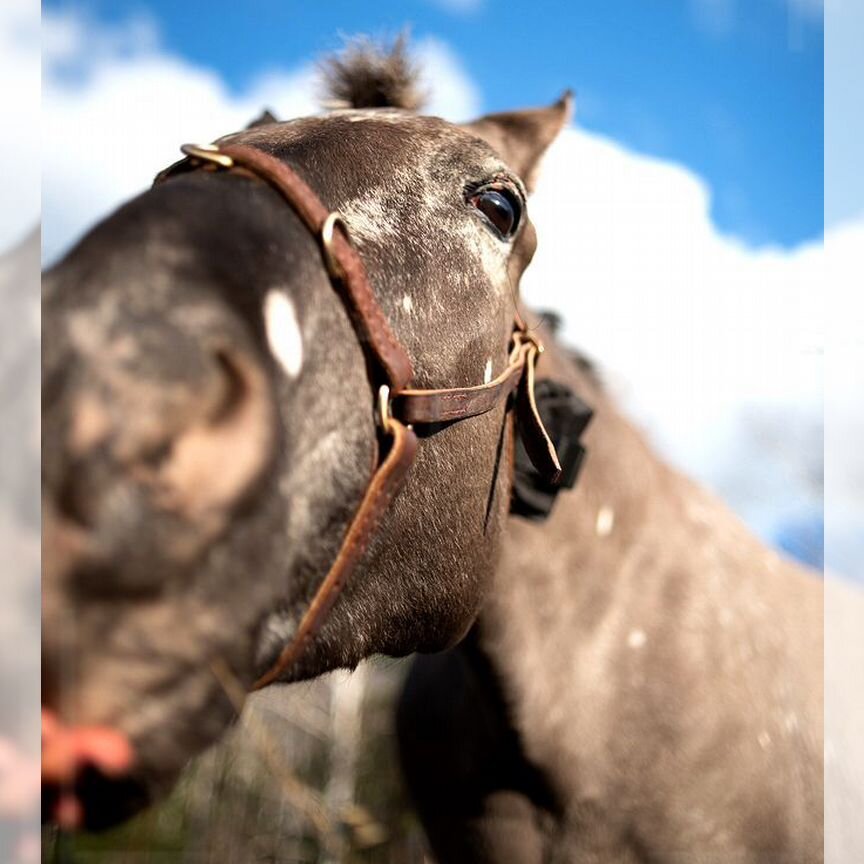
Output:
(731, 89)
(713, 342)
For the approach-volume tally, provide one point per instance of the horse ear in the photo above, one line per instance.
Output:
(522, 137)
(265, 118)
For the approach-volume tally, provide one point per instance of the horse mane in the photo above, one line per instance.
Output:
(369, 74)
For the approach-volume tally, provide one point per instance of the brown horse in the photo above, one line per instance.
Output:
(643, 684)
(209, 425)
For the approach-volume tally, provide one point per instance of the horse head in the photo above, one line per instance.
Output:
(210, 429)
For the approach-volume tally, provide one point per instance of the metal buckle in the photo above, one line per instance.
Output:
(207, 153)
(531, 339)
(385, 409)
(334, 268)
(525, 343)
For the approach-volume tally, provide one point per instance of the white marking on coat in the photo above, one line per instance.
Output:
(283, 332)
(636, 638)
(369, 221)
(487, 372)
(605, 521)
(407, 304)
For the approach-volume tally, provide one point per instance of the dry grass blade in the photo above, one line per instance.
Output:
(305, 799)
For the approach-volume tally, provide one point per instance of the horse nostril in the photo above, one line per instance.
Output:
(106, 801)
(66, 750)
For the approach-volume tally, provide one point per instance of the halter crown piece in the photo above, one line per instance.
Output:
(397, 406)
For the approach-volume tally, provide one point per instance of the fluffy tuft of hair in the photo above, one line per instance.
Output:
(369, 74)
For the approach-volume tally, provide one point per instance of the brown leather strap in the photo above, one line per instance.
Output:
(533, 432)
(367, 314)
(459, 403)
(381, 491)
(373, 329)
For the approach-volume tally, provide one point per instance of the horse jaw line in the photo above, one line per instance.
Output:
(283, 332)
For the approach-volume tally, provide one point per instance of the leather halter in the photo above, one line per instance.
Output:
(399, 407)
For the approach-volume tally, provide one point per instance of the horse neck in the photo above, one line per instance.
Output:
(634, 539)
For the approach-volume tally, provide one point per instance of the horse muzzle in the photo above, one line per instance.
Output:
(87, 775)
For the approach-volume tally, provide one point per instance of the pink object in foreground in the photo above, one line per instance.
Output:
(67, 751)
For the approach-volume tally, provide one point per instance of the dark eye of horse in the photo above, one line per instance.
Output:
(501, 207)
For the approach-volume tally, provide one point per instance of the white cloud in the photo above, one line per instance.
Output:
(124, 112)
(650, 268)
(714, 346)
(452, 93)
(844, 407)
(19, 107)
(129, 104)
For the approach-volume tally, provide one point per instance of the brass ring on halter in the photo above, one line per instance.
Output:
(385, 412)
(207, 153)
(334, 268)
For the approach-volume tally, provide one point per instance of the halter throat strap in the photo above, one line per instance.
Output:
(399, 407)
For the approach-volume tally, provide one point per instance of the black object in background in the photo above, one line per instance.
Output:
(566, 417)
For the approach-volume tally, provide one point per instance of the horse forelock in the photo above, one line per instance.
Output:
(367, 74)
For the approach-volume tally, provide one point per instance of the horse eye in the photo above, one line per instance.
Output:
(501, 207)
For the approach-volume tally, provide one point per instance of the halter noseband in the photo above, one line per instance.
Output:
(399, 407)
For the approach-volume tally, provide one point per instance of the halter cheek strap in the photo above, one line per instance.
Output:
(399, 407)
